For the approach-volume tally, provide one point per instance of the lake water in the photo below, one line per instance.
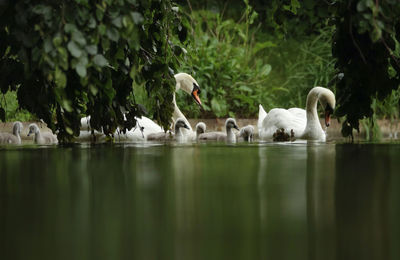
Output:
(201, 201)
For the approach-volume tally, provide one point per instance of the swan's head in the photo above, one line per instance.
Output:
(17, 127)
(328, 101)
(33, 129)
(180, 123)
(188, 84)
(200, 128)
(231, 123)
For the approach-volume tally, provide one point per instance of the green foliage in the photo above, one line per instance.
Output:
(238, 71)
(300, 64)
(66, 59)
(387, 108)
(365, 47)
(293, 18)
(225, 59)
(11, 108)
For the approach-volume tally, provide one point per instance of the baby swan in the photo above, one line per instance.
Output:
(246, 133)
(179, 135)
(200, 129)
(41, 138)
(229, 136)
(14, 138)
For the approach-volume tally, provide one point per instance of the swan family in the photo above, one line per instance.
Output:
(295, 122)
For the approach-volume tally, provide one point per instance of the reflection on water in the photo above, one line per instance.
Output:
(262, 201)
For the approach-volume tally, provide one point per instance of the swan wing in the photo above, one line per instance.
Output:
(148, 124)
(261, 116)
(298, 112)
(279, 118)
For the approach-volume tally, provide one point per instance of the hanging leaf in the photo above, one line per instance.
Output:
(99, 60)
(74, 49)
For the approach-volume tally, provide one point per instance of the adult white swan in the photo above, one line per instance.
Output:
(183, 81)
(305, 123)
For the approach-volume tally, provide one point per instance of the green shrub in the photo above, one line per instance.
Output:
(13, 113)
(298, 65)
(225, 59)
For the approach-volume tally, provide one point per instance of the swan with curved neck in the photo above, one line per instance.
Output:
(146, 126)
(188, 84)
(304, 123)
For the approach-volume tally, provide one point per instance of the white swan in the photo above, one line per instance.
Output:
(14, 138)
(146, 126)
(41, 138)
(229, 136)
(304, 123)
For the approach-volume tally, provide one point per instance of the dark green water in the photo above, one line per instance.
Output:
(267, 201)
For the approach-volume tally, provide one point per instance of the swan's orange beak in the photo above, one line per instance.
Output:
(195, 95)
(327, 118)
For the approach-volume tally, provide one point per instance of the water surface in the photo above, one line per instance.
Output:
(201, 201)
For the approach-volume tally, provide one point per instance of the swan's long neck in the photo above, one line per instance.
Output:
(311, 107)
(313, 126)
(231, 137)
(178, 114)
(16, 131)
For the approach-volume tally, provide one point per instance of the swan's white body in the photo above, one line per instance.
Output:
(304, 123)
(14, 138)
(145, 126)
